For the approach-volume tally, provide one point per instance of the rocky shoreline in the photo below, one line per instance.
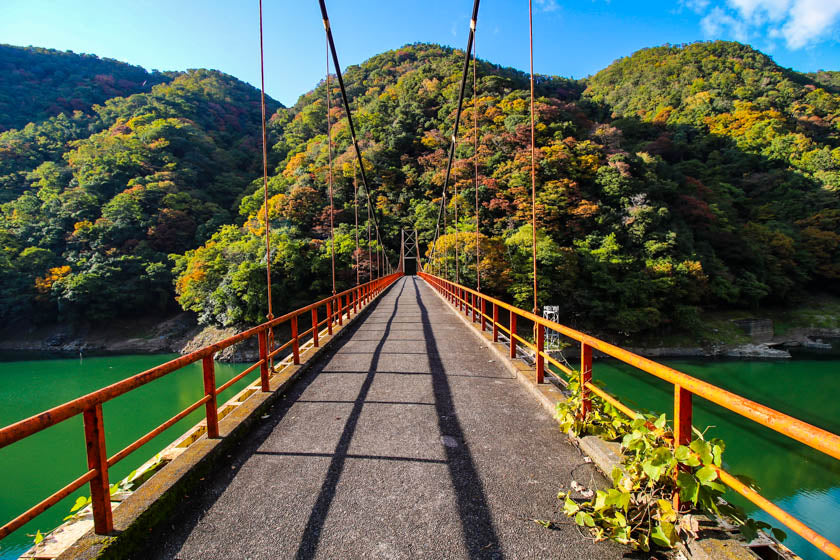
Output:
(181, 334)
(145, 335)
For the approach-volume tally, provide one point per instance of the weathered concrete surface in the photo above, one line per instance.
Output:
(409, 440)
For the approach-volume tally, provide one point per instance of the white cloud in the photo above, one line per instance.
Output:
(810, 19)
(547, 5)
(799, 23)
(698, 6)
(718, 22)
(759, 11)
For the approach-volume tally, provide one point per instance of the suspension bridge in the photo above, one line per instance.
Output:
(407, 416)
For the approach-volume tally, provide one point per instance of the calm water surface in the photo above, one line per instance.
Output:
(39, 465)
(801, 481)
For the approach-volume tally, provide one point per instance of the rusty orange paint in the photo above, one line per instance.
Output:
(97, 459)
(794, 524)
(263, 345)
(295, 341)
(209, 369)
(90, 406)
(684, 387)
(585, 378)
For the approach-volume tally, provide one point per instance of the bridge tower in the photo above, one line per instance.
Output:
(409, 251)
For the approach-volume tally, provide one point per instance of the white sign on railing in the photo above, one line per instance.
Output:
(552, 338)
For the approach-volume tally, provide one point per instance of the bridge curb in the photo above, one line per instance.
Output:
(158, 497)
(716, 544)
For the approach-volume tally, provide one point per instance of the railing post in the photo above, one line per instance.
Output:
(585, 377)
(329, 318)
(315, 327)
(97, 459)
(355, 300)
(340, 309)
(495, 322)
(295, 343)
(474, 301)
(271, 347)
(483, 314)
(262, 337)
(540, 357)
(512, 335)
(682, 416)
(682, 427)
(209, 369)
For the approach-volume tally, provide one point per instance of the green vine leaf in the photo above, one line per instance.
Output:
(81, 502)
(638, 510)
(665, 535)
(570, 507)
(689, 487)
(706, 475)
(703, 449)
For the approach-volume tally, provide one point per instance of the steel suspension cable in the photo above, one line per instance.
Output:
(466, 67)
(378, 255)
(370, 253)
(270, 315)
(356, 215)
(533, 161)
(445, 229)
(475, 159)
(330, 173)
(352, 128)
(457, 264)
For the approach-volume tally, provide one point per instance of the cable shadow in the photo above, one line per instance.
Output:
(312, 533)
(167, 538)
(480, 538)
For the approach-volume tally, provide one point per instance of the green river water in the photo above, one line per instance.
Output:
(801, 481)
(39, 465)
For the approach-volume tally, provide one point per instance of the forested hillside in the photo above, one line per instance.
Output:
(36, 83)
(675, 180)
(94, 202)
(682, 178)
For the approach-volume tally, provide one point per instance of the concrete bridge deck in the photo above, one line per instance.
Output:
(407, 440)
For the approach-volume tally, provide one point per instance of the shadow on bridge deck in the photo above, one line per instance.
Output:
(407, 440)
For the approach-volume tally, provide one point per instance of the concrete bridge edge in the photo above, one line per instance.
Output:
(716, 543)
(158, 497)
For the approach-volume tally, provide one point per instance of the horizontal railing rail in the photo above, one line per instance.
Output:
(475, 303)
(338, 308)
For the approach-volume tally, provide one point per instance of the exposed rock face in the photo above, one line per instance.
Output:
(756, 351)
(759, 330)
(144, 335)
(247, 351)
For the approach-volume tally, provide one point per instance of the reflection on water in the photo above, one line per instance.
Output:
(800, 480)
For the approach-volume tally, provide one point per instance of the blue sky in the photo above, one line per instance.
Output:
(571, 37)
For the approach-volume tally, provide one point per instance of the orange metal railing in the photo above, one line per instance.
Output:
(338, 308)
(475, 303)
